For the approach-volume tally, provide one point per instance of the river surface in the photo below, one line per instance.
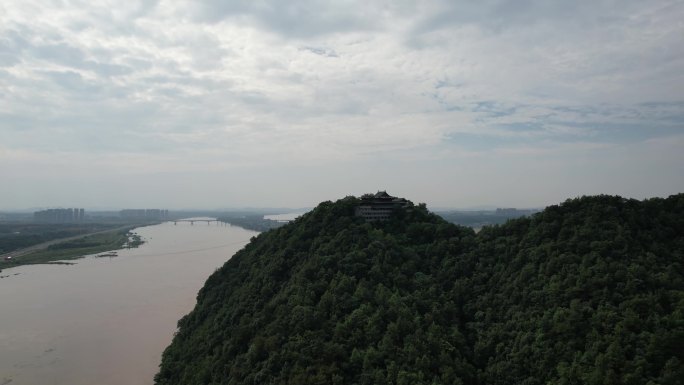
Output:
(107, 320)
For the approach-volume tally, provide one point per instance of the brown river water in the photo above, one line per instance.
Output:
(107, 320)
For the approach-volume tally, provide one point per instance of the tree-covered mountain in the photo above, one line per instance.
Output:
(587, 292)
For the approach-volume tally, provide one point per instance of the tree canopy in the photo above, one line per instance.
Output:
(590, 291)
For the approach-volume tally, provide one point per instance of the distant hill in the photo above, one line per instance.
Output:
(251, 222)
(590, 291)
(480, 218)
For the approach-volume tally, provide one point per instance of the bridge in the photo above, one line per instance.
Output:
(192, 221)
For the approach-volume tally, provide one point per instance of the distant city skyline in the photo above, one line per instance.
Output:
(212, 104)
(66, 215)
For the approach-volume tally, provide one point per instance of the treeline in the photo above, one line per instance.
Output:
(587, 292)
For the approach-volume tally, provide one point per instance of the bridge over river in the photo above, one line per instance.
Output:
(192, 221)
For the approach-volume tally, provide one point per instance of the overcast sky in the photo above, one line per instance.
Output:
(213, 104)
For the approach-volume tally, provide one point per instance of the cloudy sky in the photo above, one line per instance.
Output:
(212, 104)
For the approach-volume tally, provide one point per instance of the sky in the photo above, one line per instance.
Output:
(225, 104)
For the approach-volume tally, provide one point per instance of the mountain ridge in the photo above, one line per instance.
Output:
(577, 293)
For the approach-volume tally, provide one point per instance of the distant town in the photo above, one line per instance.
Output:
(78, 215)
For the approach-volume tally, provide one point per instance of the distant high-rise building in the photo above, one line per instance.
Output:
(59, 215)
(144, 214)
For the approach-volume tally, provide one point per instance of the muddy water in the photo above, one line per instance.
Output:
(107, 320)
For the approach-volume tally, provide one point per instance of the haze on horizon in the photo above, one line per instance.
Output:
(182, 104)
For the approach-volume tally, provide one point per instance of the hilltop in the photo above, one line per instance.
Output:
(588, 291)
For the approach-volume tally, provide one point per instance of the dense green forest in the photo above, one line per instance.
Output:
(590, 291)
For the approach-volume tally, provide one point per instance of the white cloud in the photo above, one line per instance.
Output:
(184, 86)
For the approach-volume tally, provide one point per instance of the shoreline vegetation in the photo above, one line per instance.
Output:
(108, 241)
(15, 236)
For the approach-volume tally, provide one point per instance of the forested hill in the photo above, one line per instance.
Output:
(587, 292)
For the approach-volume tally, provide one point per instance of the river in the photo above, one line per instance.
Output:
(107, 320)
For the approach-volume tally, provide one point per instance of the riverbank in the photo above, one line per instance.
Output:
(22, 236)
(78, 247)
